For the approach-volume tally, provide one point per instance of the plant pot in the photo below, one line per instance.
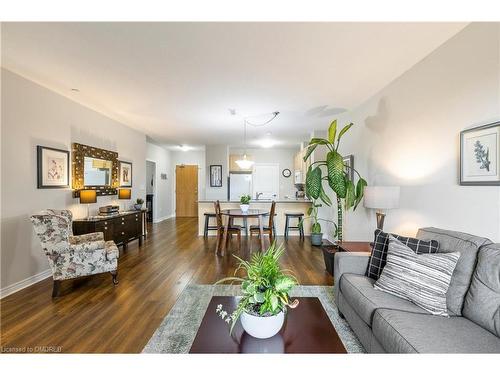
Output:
(244, 207)
(316, 239)
(262, 327)
(138, 206)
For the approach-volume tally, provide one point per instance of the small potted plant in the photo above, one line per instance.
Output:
(138, 203)
(316, 233)
(265, 290)
(245, 202)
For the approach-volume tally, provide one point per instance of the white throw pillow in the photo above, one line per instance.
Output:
(423, 279)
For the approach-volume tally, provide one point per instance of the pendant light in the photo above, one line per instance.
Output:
(244, 163)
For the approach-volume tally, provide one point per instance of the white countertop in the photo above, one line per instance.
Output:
(286, 200)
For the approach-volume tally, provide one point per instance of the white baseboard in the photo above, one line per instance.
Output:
(159, 220)
(8, 290)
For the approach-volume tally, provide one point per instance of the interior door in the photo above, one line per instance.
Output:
(186, 191)
(266, 181)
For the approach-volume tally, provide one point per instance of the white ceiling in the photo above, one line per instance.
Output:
(176, 81)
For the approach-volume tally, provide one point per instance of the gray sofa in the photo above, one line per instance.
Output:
(387, 324)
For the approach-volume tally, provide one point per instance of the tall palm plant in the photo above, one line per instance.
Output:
(347, 194)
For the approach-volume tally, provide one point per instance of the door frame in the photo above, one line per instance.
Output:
(155, 195)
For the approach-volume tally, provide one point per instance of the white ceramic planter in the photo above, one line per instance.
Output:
(262, 327)
(244, 207)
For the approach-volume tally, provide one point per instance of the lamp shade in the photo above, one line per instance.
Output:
(381, 197)
(124, 193)
(88, 196)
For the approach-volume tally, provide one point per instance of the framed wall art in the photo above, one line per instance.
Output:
(52, 168)
(349, 162)
(125, 173)
(480, 155)
(216, 176)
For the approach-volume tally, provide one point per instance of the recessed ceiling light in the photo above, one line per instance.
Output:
(269, 133)
(184, 148)
(267, 143)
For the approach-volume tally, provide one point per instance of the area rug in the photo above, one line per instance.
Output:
(178, 330)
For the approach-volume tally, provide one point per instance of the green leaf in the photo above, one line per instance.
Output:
(310, 150)
(309, 211)
(284, 284)
(332, 131)
(350, 196)
(325, 198)
(344, 130)
(360, 189)
(313, 183)
(336, 176)
(274, 302)
(258, 297)
(316, 228)
(318, 141)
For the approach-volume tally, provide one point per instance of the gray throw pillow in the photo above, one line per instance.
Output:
(420, 278)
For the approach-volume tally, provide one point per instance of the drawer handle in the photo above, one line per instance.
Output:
(105, 228)
(136, 219)
(123, 223)
(105, 223)
(123, 232)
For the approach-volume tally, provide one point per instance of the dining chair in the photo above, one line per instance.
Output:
(266, 229)
(232, 229)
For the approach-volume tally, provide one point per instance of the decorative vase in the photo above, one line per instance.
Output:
(262, 327)
(244, 207)
(316, 239)
(138, 206)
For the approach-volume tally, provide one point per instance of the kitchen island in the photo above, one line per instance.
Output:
(282, 206)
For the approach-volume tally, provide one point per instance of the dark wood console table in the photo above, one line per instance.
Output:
(121, 228)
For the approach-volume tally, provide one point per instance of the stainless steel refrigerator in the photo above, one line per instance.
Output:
(239, 184)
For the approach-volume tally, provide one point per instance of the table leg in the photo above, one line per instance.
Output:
(261, 232)
(245, 223)
(224, 237)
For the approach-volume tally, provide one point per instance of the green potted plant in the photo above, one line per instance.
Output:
(265, 289)
(316, 233)
(138, 203)
(245, 202)
(337, 174)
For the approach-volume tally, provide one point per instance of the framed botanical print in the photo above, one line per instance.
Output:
(216, 176)
(480, 155)
(125, 173)
(52, 168)
(349, 163)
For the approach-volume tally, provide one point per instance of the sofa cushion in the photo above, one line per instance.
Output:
(482, 302)
(378, 256)
(467, 245)
(421, 278)
(358, 292)
(407, 332)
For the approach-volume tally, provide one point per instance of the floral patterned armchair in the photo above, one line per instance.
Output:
(73, 256)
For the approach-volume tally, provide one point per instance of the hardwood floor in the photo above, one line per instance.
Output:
(91, 315)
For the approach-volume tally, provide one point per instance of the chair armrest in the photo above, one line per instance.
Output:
(349, 262)
(89, 237)
(88, 246)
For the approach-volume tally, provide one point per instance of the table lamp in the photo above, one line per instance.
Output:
(124, 193)
(381, 198)
(87, 197)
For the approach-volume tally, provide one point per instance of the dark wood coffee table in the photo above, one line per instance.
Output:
(307, 329)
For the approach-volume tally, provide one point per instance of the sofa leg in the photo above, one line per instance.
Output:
(55, 288)
(341, 315)
(114, 274)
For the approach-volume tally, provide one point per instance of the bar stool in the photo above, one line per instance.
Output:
(208, 227)
(294, 215)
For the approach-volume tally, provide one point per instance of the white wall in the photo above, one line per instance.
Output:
(216, 155)
(33, 115)
(162, 200)
(282, 156)
(192, 157)
(408, 135)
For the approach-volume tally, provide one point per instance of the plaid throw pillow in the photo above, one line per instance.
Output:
(378, 257)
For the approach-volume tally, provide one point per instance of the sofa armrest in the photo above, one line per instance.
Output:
(88, 237)
(349, 262)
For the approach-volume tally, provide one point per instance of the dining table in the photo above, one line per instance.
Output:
(231, 214)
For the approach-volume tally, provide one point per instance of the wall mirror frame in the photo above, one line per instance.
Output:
(79, 153)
